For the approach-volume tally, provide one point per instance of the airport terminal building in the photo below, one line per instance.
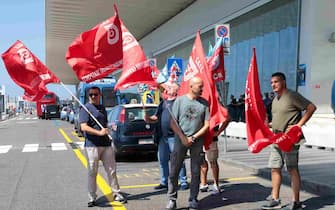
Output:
(296, 37)
(292, 36)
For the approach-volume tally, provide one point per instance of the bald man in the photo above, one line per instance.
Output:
(165, 136)
(191, 112)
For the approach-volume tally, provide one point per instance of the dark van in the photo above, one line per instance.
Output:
(52, 111)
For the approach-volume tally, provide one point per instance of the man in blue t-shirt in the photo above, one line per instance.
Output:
(98, 146)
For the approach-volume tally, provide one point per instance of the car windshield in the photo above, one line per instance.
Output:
(137, 113)
(52, 108)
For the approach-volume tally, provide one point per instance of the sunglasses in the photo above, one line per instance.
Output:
(93, 94)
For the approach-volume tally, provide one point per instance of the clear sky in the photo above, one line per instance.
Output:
(25, 21)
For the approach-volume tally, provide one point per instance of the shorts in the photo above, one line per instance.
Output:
(213, 153)
(278, 158)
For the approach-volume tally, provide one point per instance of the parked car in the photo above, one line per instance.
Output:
(129, 131)
(76, 122)
(64, 114)
(71, 116)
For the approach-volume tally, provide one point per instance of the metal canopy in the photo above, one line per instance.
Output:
(65, 20)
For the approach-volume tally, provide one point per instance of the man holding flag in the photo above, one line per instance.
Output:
(287, 109)
(190, 122)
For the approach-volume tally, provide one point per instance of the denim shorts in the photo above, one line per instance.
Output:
(278, 158)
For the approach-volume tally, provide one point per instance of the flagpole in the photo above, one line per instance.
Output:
(85, 108)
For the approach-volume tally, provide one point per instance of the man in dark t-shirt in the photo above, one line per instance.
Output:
(98, 146)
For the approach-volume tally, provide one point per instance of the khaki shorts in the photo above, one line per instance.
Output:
(213, 153)
(278, 158)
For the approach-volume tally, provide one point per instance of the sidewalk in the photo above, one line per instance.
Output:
(317, 166)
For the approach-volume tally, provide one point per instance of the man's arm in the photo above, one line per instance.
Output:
(177, 130)
(85, 128)
(308, 114)
(222, 126)
(202, 130)
(150, 119)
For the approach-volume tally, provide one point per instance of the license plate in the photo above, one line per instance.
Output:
(145, 141)
(52, 112)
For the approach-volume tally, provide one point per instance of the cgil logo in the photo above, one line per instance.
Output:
(113, 33)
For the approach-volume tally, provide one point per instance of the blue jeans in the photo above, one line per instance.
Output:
(165, 147)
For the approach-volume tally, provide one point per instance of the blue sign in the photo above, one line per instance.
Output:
(301, 77)
(175, 65)
(222, 31)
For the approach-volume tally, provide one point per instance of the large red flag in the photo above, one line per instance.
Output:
(27, 71)
(136, 68)
(258, 133)
(98, 52)
(216, 62)
(198, 67)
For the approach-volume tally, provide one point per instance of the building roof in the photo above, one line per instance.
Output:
(65, 20)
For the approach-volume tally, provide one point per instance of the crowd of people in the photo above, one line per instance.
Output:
(183, 122)
(237, 111)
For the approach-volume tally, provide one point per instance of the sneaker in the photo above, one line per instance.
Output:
(184, 186)
(171, 205)
(120, 198)
(91, 204)
(273, 204)
(160, 187)
(194, 204)
(297, 205)
(215, 190)
(203, 188)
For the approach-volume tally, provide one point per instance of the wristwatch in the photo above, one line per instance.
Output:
(193, 138)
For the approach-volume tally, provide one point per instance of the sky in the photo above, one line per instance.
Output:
(25, 21)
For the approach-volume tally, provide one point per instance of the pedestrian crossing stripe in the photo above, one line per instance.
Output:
(58, 146)
(5, 148)
(30, 148)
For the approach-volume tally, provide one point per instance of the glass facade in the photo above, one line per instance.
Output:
(272, 29)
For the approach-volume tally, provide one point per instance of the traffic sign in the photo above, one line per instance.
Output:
(223, 31)
(175, 65)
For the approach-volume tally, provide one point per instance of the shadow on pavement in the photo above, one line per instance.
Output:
(319, 202)
(145, 196)
(236, 194)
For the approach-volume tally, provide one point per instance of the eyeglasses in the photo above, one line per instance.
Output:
(93, 94)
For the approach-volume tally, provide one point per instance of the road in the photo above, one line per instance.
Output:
(43, 167)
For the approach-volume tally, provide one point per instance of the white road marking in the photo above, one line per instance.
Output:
(58, 146)
(5, 148)
(80, 144)
(30, 148)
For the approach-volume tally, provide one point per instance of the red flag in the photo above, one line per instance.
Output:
(258, 133)
(216, 62)
(198, 67)
(27, 71)
(136, 68)
(98, 52)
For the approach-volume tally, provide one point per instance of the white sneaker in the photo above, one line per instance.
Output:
(215, 190)
(120, 198)
(203, 188)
